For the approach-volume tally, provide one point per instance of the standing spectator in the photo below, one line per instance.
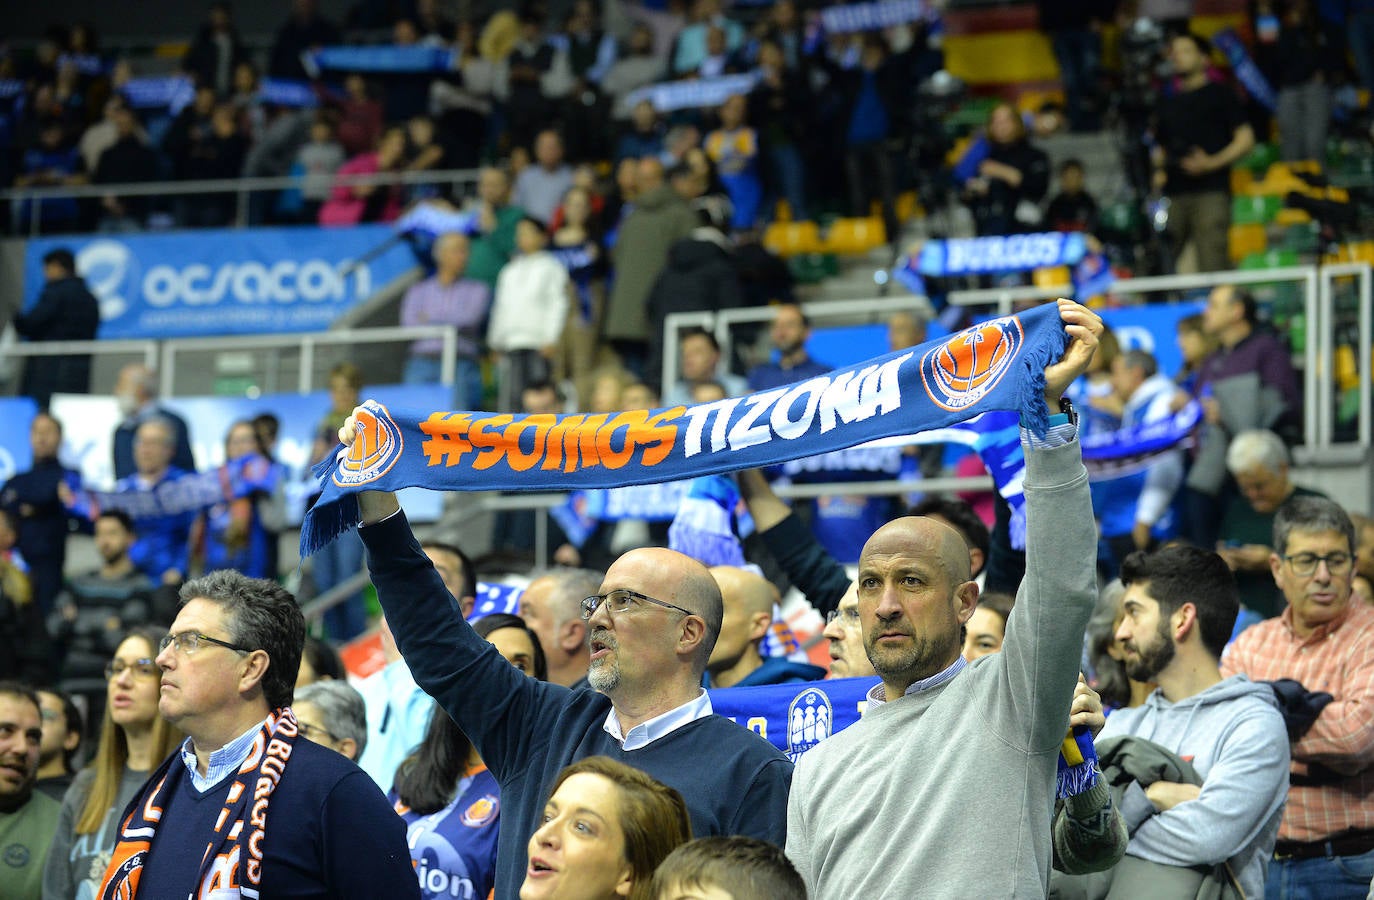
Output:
(128, 160)
(306, 820)
(551, 607)
(189, 129)
(700, 363)
(448, 299)
(577, 245)
(65, 310)
(332, 714)
(163, 548)
(319, 662)
(1012, 179)
(734, 148)
(463, 102)
(1073, 208)
(736, 660)
(218, 155)
(530, 61)
(342, 558)
(135, 393)
(358, 203)
(637, 68)
(1201, 133)
(304, 30)
(779, 107)
(790, 331)
(360, 117)
(657, 220)
(28, 817)
(133, 740)
(1075, 32)
(32, 498)
(51, 163)
(102, 135)
(691, 49)
(645, 137)
(235, 530)
(1295, 64)
(540, 188)
(1325, 644)
(398, 713)
(497, 219)
(62, 733)
(317, 162)
(424, 153)
(215, 51)
(528, 313)
(24, 650)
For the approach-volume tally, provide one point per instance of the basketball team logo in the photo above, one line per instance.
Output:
(374, 450)
(122, 884)
(480, 812)
(967, 366)
(810, 718)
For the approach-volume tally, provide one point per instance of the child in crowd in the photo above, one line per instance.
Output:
(734, 148)
(1073, 208)
(528, 313)
(317, 161)
(728, 868)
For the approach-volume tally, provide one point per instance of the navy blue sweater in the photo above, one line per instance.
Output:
(330, 833)
(527, 731)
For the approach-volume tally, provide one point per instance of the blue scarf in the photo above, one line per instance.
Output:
(670, 96)
(842, 19)
(1247, 73)
(996, 365)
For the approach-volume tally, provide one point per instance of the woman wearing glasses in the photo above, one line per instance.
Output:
(450, 802)
(134, 739)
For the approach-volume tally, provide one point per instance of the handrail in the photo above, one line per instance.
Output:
(95, 348)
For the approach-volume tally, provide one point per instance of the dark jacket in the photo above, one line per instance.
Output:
(66, 311)
(995, 211)
(806, 563)
(659, 219)
(202, 58)
(781, 670)
(700, 277)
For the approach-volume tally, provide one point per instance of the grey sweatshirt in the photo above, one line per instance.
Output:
(76, 862)
(1234, 736)
(891, 806)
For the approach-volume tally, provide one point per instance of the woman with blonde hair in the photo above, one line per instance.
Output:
(606, 827)
(134, 740)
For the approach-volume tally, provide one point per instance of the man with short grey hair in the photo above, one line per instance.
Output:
(552, 608)
(135, 392)
(332, 714)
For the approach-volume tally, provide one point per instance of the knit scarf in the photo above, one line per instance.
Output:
(1078, 770)
(995, 365)
(234, 856)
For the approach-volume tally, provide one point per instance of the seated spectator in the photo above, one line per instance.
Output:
(62, 734)
(355, 204)
(133, 740)
(319, 662)
(1180, 605)
(551, 606)
(128, 160)
(317, 161)
(450, 801)
(248, 101)
(1325, 643)
(53, 162)
(734, 148)
(22, 638)
(987, 627)
(236, 529)
(700, 363)
(848, 658)
(645, 137)
(1073, 208)
(215, 50)
(332, 714)
(735, 867)
(641, 820)
(540, 188)
(32, 498)
(1258, 461)
(449, 298)
(1195, 345)
(135, 393)
(528, 313)
(790, 331)
(736, 661)
(1011, 179)
(28, 818)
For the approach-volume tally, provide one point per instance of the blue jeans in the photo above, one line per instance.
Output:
(789, 179)
(1324, 878)
(336, 562)
(467, 379)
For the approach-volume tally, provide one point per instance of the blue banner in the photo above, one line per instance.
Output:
(15, 453)
(288, 92)
(1247, 73)
(397, 59)
(795, 717)
(997, 253)
(670, 96)
(842, 18)
(242, 281)
(170, 92)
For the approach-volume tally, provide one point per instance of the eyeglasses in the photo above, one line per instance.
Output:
(188, 642)
(309, 732)
(848, 617)
(142, 668)
(1306, 563)
(619, 601)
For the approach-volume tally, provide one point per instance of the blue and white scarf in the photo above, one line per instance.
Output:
(1247, 73)
(392, 58)
(996, 365)
(670, 96)
(840, 19)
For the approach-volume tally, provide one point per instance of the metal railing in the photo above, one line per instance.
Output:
(243, 188)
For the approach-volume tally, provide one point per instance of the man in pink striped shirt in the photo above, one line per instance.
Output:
(1324, 641)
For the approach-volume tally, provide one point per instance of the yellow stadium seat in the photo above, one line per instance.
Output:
(1245, 240)
(1287, 217)
(792, 238)
(855, 236)
(1241, 180)
(907, 208)
(1051, 276)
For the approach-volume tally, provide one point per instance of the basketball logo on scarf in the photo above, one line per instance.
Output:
(970, 364)
(376, 450)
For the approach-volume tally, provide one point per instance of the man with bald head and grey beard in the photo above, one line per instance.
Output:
(952, 755)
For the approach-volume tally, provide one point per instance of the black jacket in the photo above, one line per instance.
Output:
(66, 311)
(700, 276)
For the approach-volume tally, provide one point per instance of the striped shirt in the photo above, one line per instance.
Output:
(462, 304)
(1337, 658)
(223, 762)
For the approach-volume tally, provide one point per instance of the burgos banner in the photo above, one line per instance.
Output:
(240, 281)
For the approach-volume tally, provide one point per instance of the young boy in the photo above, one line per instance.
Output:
(528, 312)
(727, 868)
(1073, 208)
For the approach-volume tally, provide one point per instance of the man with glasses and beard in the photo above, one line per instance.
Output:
(1324, 642)
(651, 629)
(1180, 606)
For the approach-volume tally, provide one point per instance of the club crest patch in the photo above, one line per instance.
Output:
(375, 449)
(967, 366)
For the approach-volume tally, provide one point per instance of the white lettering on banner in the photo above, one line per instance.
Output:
(845, 397)
(1013, 252)
(286, 281)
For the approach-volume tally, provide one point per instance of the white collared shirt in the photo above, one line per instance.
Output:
(223, 761)
(645, 733)
(878, 694)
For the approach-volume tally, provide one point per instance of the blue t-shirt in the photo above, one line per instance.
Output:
(454, 850)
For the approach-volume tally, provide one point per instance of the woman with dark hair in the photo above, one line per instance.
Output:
(1011, 180)
(134, 739)
(450, 802)
(319, 662)
(606, 828)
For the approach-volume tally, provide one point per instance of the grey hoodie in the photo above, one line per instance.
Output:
(1234, 736)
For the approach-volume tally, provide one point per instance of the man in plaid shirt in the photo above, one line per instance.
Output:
(1325, 641)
